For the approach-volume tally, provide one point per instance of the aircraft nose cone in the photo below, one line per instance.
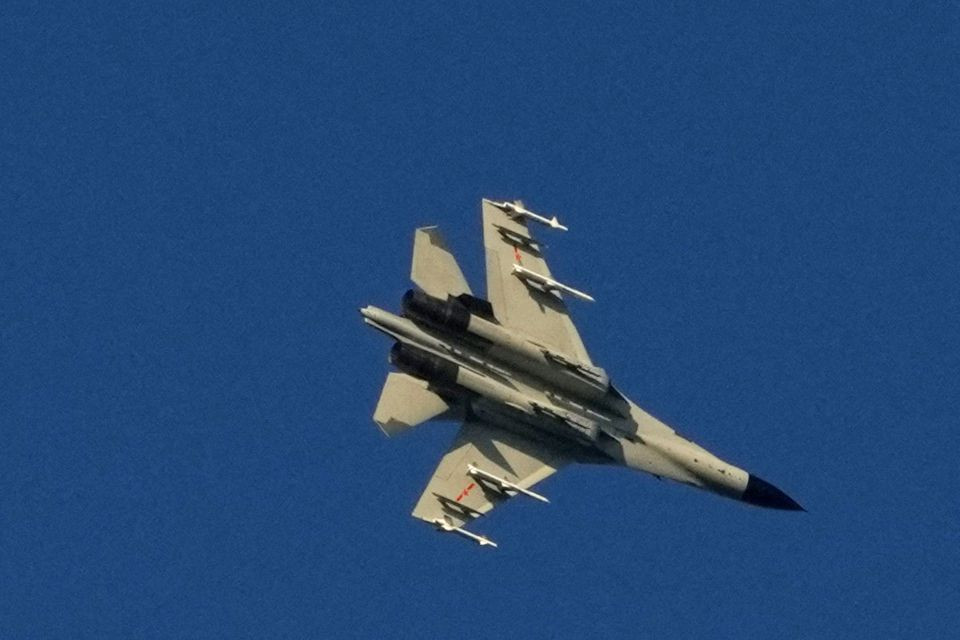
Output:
(763, 494)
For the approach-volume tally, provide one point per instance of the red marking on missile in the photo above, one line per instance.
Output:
(516, 254)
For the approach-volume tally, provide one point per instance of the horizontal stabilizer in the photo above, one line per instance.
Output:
(434, 268)
(406, 402)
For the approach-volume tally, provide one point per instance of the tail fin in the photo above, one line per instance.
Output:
(434, 268)
(406, 402)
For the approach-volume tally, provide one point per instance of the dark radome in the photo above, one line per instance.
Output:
(763, 494)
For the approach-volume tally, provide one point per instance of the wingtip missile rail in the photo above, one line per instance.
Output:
(448, 527)
(516, 210)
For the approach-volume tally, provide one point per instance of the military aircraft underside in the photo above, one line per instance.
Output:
(512, 367)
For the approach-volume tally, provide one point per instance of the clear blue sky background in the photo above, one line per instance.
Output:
(196, 200)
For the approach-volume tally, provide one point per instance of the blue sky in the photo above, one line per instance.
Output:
(196, 200)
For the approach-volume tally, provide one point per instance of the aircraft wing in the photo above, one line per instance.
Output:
(523, 303)
(485, 466)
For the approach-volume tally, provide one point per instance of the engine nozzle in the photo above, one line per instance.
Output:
(422, 364)
(449, 314)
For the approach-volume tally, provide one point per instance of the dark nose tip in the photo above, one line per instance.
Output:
(763, 494)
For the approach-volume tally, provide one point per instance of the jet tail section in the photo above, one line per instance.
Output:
(434, 268)
(406, 402)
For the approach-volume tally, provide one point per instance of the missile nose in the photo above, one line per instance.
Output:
(763, 494)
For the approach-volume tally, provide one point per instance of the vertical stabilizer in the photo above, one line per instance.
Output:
(434, 268)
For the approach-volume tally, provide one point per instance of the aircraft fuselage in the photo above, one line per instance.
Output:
(522, 386)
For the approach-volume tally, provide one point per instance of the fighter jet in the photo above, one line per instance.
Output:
(514, 370)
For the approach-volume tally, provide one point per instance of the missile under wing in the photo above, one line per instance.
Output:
(485, 466)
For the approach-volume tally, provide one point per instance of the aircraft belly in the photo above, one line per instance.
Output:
(679, 459)
(639, 456)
